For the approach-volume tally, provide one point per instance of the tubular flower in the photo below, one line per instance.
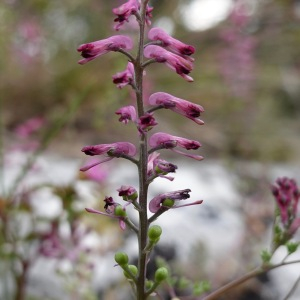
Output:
(111, 209)
(146, 122)
(163, 140)
(126, 77)
(287, 195)
(159, 167)
(128, 193)
(171, 44)
(127, 113)
(124, 11)
(180, 106)
(175, 62)
(131, 7)
(167, 200)
(92, 50)
(148, 14)
(112, 150)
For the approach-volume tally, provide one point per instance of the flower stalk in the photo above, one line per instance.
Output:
(175, 55)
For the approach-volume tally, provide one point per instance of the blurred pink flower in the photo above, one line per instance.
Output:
(29, 127)
(98, 173)
(287, 194)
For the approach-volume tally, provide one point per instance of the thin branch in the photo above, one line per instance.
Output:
(148, 62)
(292, 290)
(131, 58)
(244, 278)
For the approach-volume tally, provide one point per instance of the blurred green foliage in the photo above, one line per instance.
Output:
(40, 75)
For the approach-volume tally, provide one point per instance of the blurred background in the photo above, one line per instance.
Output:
(246, 76)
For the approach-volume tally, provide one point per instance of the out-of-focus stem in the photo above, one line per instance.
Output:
(216, 294)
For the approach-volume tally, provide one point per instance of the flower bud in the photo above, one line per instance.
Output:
(161, 274)
(154, 233)
(120, 212)
(133, 269)
(292, 247)
(149, 284)
(121, 258)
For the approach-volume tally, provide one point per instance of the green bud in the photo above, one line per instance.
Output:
(120, 212)
(133, 197)
(133, 269)
(292, 247)
(201, 287)
(161, 274)
(149, 284)
(154, 233)
(121, 258)
(266, 256)
(168, 202)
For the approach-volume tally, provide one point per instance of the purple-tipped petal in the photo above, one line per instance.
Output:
(156, 203)
(92, 50)
(171, 44)
(124, 78)
(180, 106)
(175, 62)
(127, 113)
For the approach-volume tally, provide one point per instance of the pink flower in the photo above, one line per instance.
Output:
(96, 174)
(167, 200)
(175, 62)
(112, 150)
(110, 208)
(171, 44)
(131, 7)
(163, 140)
(92, 50)
(127, 113)
(29, 127)
(159, 167)
(180, 106)
(146, 122)
(128, 193)
(148, 14)
(287, 196)
(124, 11)
(124, 78)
